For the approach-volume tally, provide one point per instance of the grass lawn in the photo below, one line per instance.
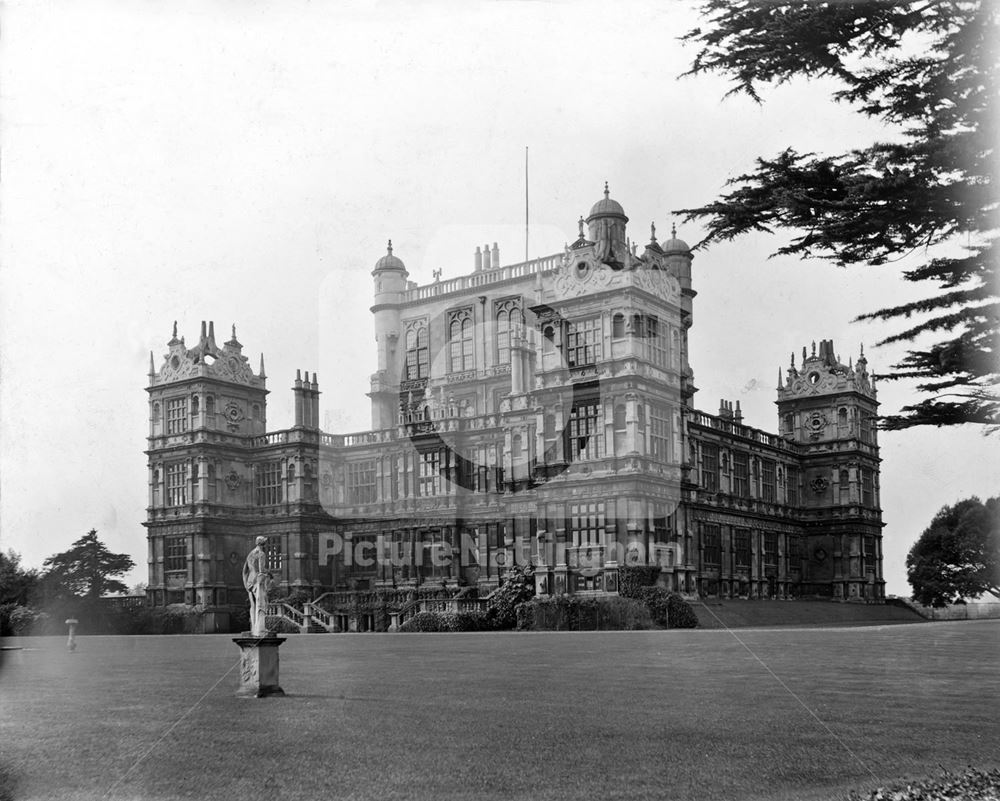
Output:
(631, 715)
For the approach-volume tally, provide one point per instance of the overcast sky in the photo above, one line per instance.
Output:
(246, 162)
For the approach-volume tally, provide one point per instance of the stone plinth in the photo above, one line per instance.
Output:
(259, 665)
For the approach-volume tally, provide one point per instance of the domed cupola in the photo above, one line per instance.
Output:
(607, 207)
(606, 226)
(675, 245)
(389, 262)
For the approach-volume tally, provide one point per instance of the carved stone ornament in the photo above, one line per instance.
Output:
(233, 480)
(816, 421)
(327, 480)
(819, 485)
(233, 412)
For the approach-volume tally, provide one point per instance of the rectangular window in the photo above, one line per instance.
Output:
(792, 485)
(659, 435)
(868, 543)
(709, 467)
(272, 553)
(741, 547)
(586, 523)
(429, 473)
(867, 488)
(655, 337)
(177, 489)
(267, 483)
(741, 474)
(583, 342)
(177, 416)
(767, 486)
(175, 553)
(586, 437)
(712, 544)
(771, 549)
(361, 482)
(866, 428)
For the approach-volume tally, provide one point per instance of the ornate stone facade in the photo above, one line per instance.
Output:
(540, 412)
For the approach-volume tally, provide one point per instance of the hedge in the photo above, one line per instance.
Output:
(573, 613)
(447, 621)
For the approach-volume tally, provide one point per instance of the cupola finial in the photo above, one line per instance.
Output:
(673, 230)
(606, 191)
(389, 247)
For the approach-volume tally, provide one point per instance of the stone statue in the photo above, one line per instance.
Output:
(256, 580)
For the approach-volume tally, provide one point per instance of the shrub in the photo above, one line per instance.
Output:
(518, 586)
(279, 625)
(239, 620)
(667, 609)
(656, 600)
(632, 578)
(572, 613)
(446, 621)
(680, 615)
(23, 620)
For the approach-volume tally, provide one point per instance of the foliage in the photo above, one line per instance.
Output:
(958, 554)
(446, 621)
(17, 585)
(632, 577)
(576, 613)
(972, 785)
(668, 609)
(280, 625)
(86, 570)
(680, 614)
(518, 586)
(239, 620)
(929, 69)
(18, 620)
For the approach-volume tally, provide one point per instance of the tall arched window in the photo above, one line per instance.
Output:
(460, 342)
(548, 339)
(618, 325)
(619, 417)
(417, 359)
(508, 320)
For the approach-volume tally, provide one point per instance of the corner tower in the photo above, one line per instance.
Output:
(390, 277)
(206, 409)
(829, 409)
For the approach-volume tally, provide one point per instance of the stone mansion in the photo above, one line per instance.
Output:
(534, 413)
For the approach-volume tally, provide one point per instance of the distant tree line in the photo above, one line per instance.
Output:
(68, 582)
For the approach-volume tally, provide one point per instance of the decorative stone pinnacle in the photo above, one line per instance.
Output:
(175, 329)
(580, 226)
(652, 232)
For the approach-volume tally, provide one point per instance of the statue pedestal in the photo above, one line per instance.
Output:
(259, 665)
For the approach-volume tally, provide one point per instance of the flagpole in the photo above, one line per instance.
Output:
(525, 202)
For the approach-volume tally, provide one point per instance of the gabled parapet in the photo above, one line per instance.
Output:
(206, 360)
(822, 373)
